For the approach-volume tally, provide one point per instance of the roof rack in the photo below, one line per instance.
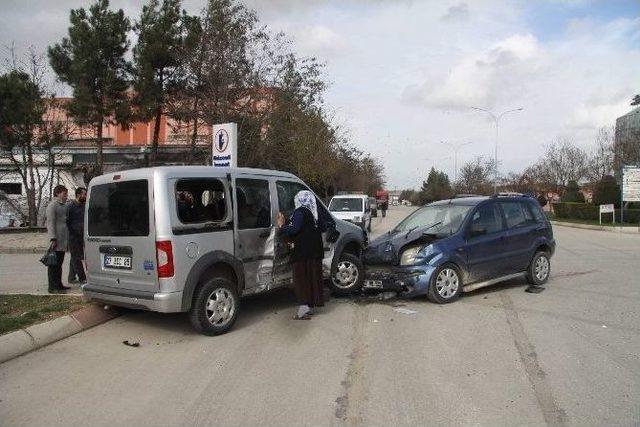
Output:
(509, 194)
(462, 196)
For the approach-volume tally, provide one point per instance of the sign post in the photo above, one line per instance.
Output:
(225, 145)
(630, 186)
(608, 209)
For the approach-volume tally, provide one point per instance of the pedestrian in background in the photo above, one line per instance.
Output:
(304, 229)
(58, 235)
(75, 225)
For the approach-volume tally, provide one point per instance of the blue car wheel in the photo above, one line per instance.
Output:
(446, 285)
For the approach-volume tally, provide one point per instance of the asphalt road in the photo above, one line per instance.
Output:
(499, 356)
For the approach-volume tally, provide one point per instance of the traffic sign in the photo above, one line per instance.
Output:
(225, 145)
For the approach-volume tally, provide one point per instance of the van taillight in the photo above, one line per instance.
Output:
(164, 255)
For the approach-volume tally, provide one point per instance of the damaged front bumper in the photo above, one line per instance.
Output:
(406, 281)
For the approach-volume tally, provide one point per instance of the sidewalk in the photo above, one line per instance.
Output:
(611, 229)
(23, 341)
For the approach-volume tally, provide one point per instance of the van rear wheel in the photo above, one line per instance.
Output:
(215, 307)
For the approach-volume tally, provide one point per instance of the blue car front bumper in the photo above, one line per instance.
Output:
(408, 281)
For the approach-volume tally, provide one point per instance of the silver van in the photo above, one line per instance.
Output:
(195, 239)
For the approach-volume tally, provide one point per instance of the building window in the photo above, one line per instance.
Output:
(11, 188)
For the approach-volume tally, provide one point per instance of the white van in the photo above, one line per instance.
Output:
(354, 208)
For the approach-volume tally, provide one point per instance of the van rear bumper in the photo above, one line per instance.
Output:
(163, 302)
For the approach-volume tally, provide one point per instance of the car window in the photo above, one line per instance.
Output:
(488, 218)
(514, 214)
(287, 191)
(119, 209)
(254, 204)
(200, 200)
(537, 212)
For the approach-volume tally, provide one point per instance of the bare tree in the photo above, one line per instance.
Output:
(562, 162)
(600, 160)
(475, 177)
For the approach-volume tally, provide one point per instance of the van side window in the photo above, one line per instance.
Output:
(488, 218)
(200, 200)
(514, 214)
(254, 203)
(287, 190)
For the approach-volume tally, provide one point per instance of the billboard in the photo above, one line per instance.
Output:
(225, 145)
(631, 184)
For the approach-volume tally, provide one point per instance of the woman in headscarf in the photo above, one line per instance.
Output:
(305, 232)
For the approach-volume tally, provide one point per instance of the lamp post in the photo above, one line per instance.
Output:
(496, 119)
(455, 148)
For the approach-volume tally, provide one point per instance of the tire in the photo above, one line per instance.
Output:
(539, 269)
(348, 276)
(369, 226)
(224, 291)
(440, 289)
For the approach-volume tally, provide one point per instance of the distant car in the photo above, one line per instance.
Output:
(373, 203)
(457, 245)
(354, 208)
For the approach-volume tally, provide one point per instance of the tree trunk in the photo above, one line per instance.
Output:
(99, 155)
(31, 188)
(156, 136)
(194, 133)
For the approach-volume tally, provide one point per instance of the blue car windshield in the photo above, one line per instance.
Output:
(448, 218)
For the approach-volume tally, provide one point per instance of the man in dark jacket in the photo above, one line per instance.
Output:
(75, 224)
(58, 233)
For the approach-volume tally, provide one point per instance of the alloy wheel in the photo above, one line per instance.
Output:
(346, 275)
(447, 283)
(541, 269)
(221, 306)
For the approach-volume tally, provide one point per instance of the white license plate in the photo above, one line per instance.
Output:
(111, 261)
(373, 284)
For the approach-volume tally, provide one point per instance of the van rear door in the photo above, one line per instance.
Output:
(121, 246)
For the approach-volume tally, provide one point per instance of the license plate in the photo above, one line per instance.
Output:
(123, 262)
(373, 284)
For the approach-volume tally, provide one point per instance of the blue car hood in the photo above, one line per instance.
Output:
(386, 249)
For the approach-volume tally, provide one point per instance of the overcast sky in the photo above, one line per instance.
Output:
(405, 73)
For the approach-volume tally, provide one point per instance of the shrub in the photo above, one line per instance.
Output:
(590, 212)
(572, 193)
(607, 192)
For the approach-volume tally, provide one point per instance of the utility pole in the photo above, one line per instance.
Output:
(455, 148)
(496, 119)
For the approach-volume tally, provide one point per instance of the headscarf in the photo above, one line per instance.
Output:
(305, 198)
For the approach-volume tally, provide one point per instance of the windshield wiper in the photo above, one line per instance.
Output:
(425, 229)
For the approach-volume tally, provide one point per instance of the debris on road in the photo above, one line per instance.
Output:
(131, 344)
(534, 289)
(404, 310)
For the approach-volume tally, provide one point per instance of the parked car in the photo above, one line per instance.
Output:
(354, 208)
(196, 239)
(457, 245)
(373, 204)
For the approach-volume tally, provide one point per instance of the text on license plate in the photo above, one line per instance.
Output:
(374, 284)
(117, 261)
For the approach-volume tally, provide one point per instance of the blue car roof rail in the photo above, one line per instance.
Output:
(509, 194)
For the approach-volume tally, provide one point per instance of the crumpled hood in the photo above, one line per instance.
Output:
(386, 249)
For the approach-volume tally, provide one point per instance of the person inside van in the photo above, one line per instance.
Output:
(304, 229)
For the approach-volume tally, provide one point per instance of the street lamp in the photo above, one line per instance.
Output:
(455, 148)
(496, 119)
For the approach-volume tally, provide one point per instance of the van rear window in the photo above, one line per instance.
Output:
(119, 209)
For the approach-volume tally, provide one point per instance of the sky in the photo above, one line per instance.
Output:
(404, 74)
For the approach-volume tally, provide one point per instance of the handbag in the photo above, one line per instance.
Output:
(50, 258)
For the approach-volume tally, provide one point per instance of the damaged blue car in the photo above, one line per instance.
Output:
(459, 245)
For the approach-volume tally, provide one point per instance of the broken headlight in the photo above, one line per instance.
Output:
(416, 255)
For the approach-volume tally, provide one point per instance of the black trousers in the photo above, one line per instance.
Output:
(55, 272)
(76, 269)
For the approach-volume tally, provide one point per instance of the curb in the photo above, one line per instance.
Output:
(610, 229)
(23, 250)
(23, 341)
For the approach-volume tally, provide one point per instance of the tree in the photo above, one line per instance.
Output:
(475, 177)
(91, 60)
(601, 159)
(561, 163)
(572, 193)
(607, 191)
(436, 187)
(635, 100)
(158, 56)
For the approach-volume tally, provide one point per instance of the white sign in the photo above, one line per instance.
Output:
(607, 209)
(631, 184)
(225, 145)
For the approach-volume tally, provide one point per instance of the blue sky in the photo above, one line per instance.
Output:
(404, 73)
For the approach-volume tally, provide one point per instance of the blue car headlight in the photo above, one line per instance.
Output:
(417, 255)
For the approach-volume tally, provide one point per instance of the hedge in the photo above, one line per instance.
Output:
(587, 211)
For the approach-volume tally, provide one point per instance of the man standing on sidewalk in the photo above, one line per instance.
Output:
(58, 235)
(75, 224)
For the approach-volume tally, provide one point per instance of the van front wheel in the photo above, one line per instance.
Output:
(215, 307)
